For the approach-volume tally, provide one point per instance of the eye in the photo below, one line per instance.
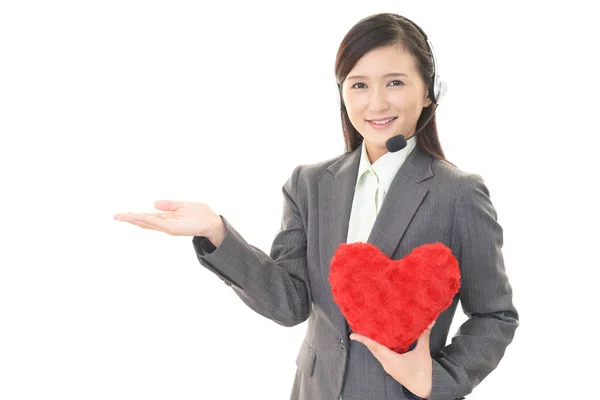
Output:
(355, 86)
(396, 83)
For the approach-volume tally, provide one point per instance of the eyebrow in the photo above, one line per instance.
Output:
(392, 74)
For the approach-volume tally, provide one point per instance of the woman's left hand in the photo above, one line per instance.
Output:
(413, 369)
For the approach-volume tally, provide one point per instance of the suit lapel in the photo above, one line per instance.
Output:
(336, 193)
(404, 197)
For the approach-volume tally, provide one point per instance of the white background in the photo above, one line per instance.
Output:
(108, 106)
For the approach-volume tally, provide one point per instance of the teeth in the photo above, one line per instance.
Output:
(382, 122)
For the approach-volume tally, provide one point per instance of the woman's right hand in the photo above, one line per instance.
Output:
(181, 218)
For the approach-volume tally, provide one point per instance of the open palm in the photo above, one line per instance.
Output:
(180, 218)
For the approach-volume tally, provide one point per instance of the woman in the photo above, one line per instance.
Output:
(396, 200)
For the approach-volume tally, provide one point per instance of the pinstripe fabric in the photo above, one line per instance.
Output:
(428, 201)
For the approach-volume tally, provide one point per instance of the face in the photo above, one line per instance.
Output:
(384, 96)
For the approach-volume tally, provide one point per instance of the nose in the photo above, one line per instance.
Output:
(378, 100)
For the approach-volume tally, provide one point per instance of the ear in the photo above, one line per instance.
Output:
(427, 101)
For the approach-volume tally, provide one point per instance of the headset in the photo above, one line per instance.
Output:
(438, 89)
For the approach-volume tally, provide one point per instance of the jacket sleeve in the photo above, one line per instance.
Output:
(485, 295)
(276, 285)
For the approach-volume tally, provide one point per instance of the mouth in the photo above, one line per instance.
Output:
(382, 122)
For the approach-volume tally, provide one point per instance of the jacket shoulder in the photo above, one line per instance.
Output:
(446, 171)
(314, 172)
(456, 181)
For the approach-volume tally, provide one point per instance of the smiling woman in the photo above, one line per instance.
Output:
(395, 200)
(386, 68)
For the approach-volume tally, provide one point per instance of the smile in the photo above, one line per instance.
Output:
(384, 123)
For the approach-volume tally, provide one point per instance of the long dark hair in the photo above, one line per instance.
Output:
(381, 30)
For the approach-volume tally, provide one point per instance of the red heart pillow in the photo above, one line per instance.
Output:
(393, 301)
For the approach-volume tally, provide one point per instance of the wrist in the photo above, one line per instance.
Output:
(217, 233)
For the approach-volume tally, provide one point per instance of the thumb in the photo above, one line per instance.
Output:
(424, 338)
(168, 205)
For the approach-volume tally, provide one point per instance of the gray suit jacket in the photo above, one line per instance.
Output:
(429, 200)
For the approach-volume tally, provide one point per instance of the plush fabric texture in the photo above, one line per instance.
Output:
(393, 301)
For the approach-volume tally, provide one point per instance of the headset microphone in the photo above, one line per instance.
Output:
(398, 142)
(395, 143)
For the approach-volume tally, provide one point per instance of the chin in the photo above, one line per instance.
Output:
(378, 142)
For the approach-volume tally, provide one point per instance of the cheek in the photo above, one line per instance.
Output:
(401, 102)
(355, 105)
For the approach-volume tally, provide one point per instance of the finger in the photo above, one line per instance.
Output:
(381, 352)
(128, 217)
(165, 215)
(144, 225)
(148, 222)
(168, 205)
(125, 217)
